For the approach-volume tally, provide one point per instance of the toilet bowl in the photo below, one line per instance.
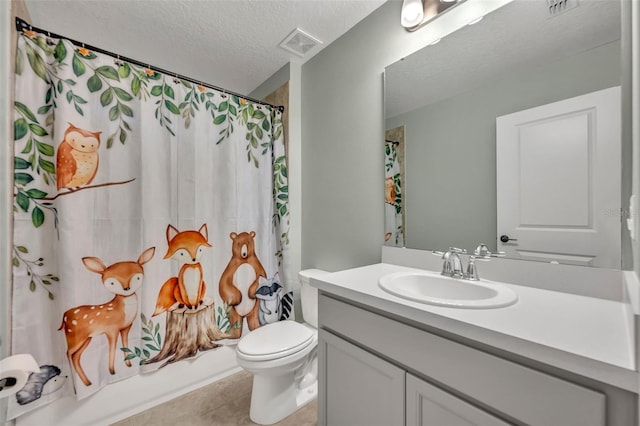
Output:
(282, 357)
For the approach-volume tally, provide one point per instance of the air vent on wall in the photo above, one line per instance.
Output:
(556, 7)
(299, 42)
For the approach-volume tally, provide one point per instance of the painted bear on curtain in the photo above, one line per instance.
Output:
(239, 282)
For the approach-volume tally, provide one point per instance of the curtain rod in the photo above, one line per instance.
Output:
(21, 24)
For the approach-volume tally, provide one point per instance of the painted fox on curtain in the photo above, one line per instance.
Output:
(151, 219)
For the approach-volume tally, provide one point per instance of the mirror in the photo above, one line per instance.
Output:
(445, 99)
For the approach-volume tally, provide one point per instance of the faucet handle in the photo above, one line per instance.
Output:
(451, 250)
(482, 250)
(472, 271)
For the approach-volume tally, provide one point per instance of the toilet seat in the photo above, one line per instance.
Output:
(275, 340)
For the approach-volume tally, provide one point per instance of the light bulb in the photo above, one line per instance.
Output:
(412, 13)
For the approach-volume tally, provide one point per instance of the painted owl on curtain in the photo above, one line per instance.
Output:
(77, 158)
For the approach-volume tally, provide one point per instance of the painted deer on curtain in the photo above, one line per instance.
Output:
(111, 318)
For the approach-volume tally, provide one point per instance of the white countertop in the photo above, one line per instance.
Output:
(585, 335)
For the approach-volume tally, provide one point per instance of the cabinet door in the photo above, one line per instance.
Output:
(357, 387)
(428, 405)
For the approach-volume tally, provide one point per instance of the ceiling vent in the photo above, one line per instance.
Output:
(299, 42)
(557, 7)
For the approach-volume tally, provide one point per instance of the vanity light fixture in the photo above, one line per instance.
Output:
(416, 13)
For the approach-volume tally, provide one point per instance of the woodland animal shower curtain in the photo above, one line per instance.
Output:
(393, 211)
(151, 218)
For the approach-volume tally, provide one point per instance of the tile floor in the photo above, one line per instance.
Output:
(212, 405)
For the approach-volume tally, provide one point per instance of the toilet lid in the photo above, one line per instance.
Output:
(280, 338)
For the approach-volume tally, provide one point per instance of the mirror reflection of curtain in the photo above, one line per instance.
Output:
(394, 176)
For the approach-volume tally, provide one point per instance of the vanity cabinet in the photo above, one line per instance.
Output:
(360, 388)
(379, 369)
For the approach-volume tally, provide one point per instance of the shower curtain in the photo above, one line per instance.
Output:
(150, 218)
(393, 220)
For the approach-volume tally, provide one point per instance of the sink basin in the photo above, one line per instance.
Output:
(435, 289)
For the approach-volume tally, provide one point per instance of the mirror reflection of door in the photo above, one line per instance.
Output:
(393, 183)
(558, 181)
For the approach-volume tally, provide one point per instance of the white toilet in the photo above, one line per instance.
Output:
(283, 360)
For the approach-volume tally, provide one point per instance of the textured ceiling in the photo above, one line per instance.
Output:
(232, 44)
(519, 35)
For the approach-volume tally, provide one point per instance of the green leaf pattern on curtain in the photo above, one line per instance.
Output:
(109, 82)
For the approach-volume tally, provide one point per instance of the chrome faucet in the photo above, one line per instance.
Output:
(452, 266)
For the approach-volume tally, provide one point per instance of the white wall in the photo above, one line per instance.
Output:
(295, 176)
(278, 78)
(634, 29)
(343, 133)
(6, 200)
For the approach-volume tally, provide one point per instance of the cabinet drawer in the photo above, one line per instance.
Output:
(520, 392)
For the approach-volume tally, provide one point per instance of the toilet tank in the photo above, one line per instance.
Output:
(309, 295)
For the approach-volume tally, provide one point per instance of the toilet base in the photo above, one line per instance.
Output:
(275, 397)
